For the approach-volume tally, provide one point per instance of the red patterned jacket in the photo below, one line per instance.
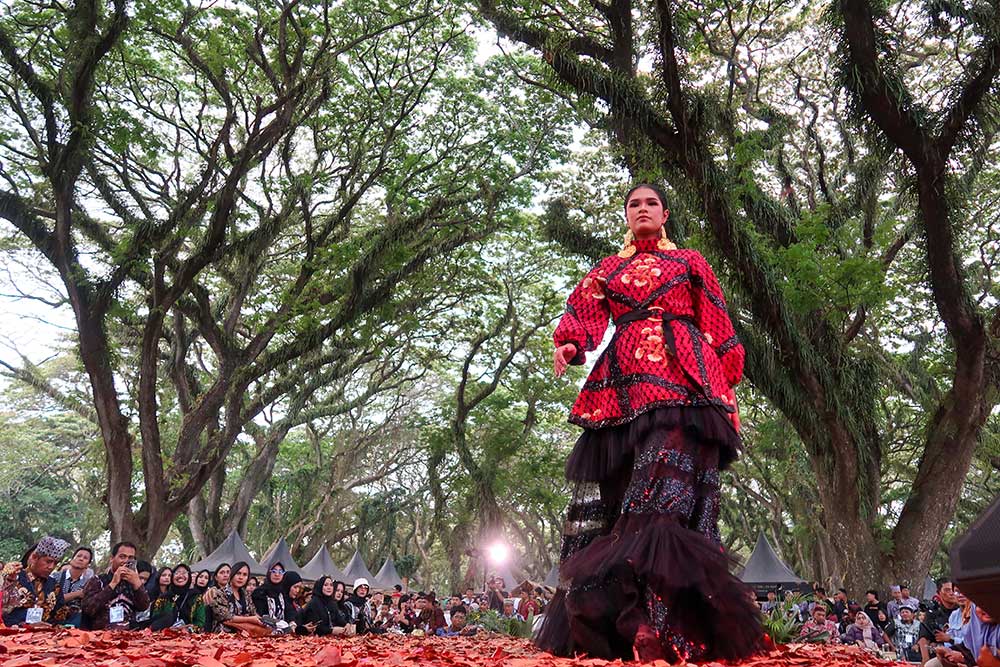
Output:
(673, 345)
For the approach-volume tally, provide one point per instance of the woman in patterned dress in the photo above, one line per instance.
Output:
(642, 571)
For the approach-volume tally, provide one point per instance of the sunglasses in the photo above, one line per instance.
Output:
(277, 570)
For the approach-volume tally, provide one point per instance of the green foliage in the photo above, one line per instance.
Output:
(782, 622)
(491, 621)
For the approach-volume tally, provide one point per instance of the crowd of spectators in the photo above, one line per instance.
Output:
(133, 595)
(947, 631)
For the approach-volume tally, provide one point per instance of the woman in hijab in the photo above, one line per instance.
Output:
(201, 608)
(865, 634)
(326, 613)
(174, 605)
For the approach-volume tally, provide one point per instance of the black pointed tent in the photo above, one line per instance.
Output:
(356, 569)
(765, 571)
(280, 553)
(232, 550)
(387, 577)
(320, 565)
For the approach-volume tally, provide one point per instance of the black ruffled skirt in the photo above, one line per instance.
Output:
(641, 544)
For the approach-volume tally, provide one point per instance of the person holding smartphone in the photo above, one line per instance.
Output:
(111, 601)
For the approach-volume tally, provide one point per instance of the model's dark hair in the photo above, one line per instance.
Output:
(660, 194)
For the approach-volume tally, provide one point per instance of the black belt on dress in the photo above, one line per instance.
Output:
(655, 313)
(671, 346)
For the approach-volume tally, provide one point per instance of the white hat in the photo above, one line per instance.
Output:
(360, 581)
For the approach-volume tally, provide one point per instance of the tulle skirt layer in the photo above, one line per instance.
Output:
(641, 545)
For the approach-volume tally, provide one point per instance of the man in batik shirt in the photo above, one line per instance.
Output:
(814, 628)
(29, 595)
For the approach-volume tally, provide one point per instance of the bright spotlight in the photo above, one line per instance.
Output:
(498, 553)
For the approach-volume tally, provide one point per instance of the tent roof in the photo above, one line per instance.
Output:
(765, 568)
(930, 589)
(387, 577)
(321, 564)
(280, 553)
(552, 578)
(232, 550)
(356, 569)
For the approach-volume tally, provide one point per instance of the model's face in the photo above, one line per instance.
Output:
(181, 577)
(645, 214)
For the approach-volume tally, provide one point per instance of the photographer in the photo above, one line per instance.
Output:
(112, 600)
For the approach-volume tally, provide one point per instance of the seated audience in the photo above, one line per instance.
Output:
(864, 633)
(814, 628)
(276, 597)
(458, 625)
(527, 606)
(937, 617)
(30, 594)
(326, 613)
(111, 600)
(71, 581)
(173, 608)
(357, 605)
(905, 631)
(980, 645)
(232, 610)
(507, 611)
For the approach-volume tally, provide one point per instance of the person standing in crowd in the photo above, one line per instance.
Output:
(936, 618)
(527, 606)
(72, 581)
(905, 632)
(907, 601)
(841, 606)
(111, 600)
(641, 546)
(873, 607)
(813, 629)
(892, 606)
(30, 594)
(232, 610)
(865, 634)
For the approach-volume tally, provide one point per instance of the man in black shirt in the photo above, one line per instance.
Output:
(936, 617)
(872, 608)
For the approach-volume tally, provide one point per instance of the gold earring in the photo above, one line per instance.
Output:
(629, 248)
(664, 243)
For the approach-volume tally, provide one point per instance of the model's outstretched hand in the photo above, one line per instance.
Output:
(561, 358)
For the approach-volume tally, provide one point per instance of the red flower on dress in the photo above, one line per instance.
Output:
(640, 272)
(651, 346)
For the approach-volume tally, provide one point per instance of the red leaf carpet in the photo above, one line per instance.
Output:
(58, 648)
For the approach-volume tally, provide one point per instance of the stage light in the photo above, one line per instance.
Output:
(498, 553)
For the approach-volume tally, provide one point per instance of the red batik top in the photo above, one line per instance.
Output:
(674, 344)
